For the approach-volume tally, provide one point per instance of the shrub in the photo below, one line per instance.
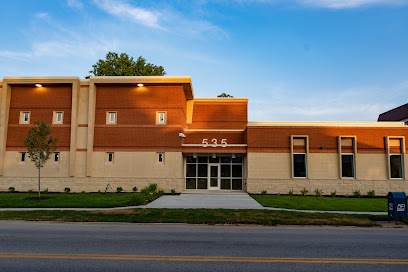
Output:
(304, 192)
(11, 189)
(119, 189)
(146, 195)
(30, 191)
(173, 192)
(134, 189)
(318, 192)
(333, 194)
(291, 192)
(278, 194)
(46, 191)
(264, 192)
(83, 192)
(357, 193)
(371, 193)
(67, 189)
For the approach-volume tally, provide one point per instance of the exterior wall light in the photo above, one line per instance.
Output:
(322, 147)
(140, 85)
(38, 85)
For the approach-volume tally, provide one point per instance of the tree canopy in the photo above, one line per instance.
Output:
(124, 65)
(224, 95)
(40, 145)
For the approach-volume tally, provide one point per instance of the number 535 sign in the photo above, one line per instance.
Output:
(214, 143)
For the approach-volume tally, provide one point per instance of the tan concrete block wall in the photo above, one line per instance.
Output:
(14, 168)
(268, 165)
(79, 184)
(323, 165)
(372, 166)
(138, 164)
(341, 186)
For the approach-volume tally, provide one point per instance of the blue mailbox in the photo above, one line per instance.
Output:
(397, 205)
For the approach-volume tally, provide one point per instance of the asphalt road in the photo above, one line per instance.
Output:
(42, 246)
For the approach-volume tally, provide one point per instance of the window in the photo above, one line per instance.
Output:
(299, 151)
(58, 117)
(111, 117)
(56, 156)
(396, 166)
(110, 157)
(23, 156)
(395, 151)
(160, 157)
(347, 165)
(25, 117)
(161, 117)
(347, 148)
(299, 165)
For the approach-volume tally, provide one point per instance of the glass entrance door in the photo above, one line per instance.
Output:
(214, 177)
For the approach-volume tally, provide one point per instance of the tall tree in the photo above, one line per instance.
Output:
(40, 145)
(224, 95)
(124, 65)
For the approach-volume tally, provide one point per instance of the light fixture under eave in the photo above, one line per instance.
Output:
(140, 85)
(38, 85)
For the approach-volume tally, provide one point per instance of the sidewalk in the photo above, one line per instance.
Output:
(197, 201)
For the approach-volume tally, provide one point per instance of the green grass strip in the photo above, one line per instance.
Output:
(323, 203)
(71, 200)
(197, 216)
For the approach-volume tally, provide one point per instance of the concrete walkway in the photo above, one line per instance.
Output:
(236, 200)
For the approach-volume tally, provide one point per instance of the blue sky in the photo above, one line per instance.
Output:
(296, 60)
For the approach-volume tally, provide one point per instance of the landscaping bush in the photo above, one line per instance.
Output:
(147, 195)
(371, 193)
(318, 192)
(134, 189)
(67, 190)
(11, 189)
(333, 194)
(304, 192)
(173, 192)
(264, 192)
(45, 191)
(357, 193)
(30, 191)
(291, 192)
(119, 189)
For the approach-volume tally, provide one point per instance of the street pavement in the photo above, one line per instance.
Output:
(53, 246)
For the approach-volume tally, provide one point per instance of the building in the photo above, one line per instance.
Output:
(133, 131)
(398, 114)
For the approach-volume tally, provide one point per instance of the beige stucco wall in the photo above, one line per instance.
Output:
(83, 105)
(14, 168)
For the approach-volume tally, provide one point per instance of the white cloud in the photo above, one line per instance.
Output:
(343, 4)
(41, 15)
(354, 104)
(125, 10)
(331, 4)
(75, 4)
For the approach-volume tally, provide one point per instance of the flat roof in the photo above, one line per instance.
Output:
(325, 124)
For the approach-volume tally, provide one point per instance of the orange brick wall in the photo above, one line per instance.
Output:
(42, 102)
(219, 115)
(136, 108)
(277, 139)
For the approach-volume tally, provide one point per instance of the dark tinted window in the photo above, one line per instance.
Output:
(299, 165)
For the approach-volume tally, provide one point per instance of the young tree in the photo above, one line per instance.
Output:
(123, 65)
(40, 145)
(224, 95)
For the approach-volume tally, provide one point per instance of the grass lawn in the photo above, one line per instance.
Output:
(71, 200)
(197, 216)
(323, 203)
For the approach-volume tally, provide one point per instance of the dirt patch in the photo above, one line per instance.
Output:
(119, 211)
